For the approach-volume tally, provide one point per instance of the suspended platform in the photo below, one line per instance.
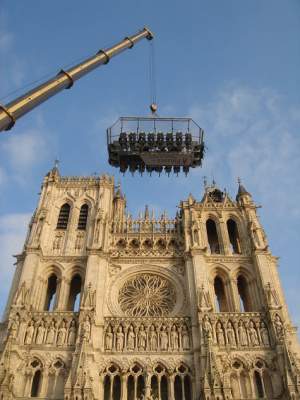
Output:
(154, 144)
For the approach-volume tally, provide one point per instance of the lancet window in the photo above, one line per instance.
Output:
(51, 293)
(182, 384)
(75, 292)
(135, 383)
(83, 216)
(36, 379)
(220, 295)
(233, 235)
(244, 295)
(159, 383)
(240, 382)
(112, 383)
(63, 218)
(212, 236)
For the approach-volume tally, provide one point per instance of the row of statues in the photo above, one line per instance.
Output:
(238, 334)
(150, 338)
(41, 332)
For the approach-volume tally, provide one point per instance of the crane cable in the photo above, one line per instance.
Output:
(152, 78)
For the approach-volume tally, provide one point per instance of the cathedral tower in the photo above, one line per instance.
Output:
(107, 306)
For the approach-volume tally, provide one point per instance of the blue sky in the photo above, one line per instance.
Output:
(231, 65)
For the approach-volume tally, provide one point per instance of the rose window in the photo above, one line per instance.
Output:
(147, 295)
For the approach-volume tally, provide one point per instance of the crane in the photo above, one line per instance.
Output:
(65, 79)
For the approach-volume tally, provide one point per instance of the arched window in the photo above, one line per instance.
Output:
(74, 295)
(268, 385)
(112, 383)
(243, 290)
(50, 301)
(220, 296)
(36, 383)
(182, 384)
(63, 218)
(135, 383)
(233, 236)
(258, 385)
(83, 215)
(212, 236)
(154, 387)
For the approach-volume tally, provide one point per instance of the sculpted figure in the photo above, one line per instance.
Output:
(130, 338)
(174, 338)
(230, 335)
(278, 327)
(40, 333)
(72, 333)
(109, 337)
(61, 336)
(51, 333)
(253, 334)
(14, 327)
(207, 328)
(120, 339)
(220, 334)
(29, 333)
(142, 338)
(242, 334)
(153, 338)
(264, 334)
(164, 340)
(185, 338)
(88, 297)
(86, 329)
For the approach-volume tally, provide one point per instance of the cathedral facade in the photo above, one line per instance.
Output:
(110, 307)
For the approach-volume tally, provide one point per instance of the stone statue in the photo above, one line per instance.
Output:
(264, 334)
(130, 338)
(207, 328)
(203, 300)
(142, 338)
(185, 338)
(29, 333)
(278, 327)
(88, 300)
(164, 340)
(61, 335)
(253, 337)
(14, 327)
(51, 333)
(109, 337)
(271, 295)
(231, 340)
(220, 334)
(120, 339)
(40, 333)
(72, 333)
(22, 295)
(86, 329)
(242, 334)
(153, 338)
(174, 338)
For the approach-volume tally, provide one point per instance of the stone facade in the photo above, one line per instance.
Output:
(105, 306)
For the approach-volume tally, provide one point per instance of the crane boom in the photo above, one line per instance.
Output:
(63, 80)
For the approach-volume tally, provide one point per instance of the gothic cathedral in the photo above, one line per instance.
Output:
(104, 306)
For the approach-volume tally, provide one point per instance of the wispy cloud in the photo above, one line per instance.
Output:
(252, 133)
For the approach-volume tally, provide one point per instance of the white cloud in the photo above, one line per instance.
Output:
(13, 229)
(24, 151)
(252, 133)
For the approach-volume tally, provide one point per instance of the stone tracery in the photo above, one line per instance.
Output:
(147, 295)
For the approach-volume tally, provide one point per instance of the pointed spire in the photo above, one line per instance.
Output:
(147, 212)
(241, 189)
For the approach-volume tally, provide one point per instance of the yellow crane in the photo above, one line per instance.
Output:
(65, 79)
